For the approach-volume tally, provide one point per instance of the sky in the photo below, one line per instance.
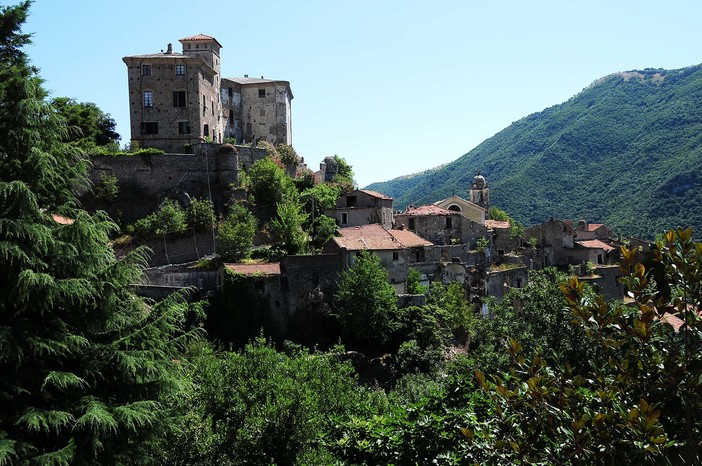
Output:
(394, 87)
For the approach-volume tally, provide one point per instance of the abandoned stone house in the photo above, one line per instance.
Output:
(181, 98)
(362, 207)
(394, 248)
(561, 244)
(440, 226)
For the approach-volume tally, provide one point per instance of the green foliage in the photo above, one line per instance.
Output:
(288, 226)
(316, 200)
(643, 124)
(235, 234)
(287, 154)
(635, 400)
(423, 333)
(88, 125)
(517, 230)
(460, 313)
(413, 285)
(535, 315)
(481, 244)
(84, 361)
(345, 173)
(108, 188)
(269, 185)
(366, 302)
(169, 219)
(200, 214)
(261, 407)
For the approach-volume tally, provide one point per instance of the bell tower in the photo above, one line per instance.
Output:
(479, 192)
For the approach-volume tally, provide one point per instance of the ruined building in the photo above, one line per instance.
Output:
(181, 98)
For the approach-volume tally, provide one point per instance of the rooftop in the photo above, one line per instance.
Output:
(375, 237)
(199, 37)
(375, 194)
(426, 210)
(497, 224)
(595, 244)
(255, 269)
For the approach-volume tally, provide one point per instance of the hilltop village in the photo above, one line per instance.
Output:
(210, 298)
(180, 103)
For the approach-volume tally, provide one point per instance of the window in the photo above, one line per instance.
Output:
(350, 201)
(261, 93)
(206, 130)
(183, 127)
(149, 127)
(148, 99)
(411, 224)
(180, 70)
(231, 117)
(344, 218)
(448, 223)
(213, 108)
(179, 98)
(146, 70)
(230, 91)
(395, 255)
(204, 104)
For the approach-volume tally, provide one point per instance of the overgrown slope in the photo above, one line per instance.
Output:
(626, 151)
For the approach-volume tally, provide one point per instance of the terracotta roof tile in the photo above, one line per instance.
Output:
(497, 224)
(62, 220)
(375, 194)
(427, 210)
(375, 237)
(595, 244)
(409, 239)
(199, 37)
(594, 226)
(254, 269)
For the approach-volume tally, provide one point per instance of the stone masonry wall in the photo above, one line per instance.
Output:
(145, 181)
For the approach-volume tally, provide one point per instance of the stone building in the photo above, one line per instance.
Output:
(440, 226)
(181, 98)
(394, 248)
(362, 207)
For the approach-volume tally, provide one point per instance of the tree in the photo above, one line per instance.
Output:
(413, 282)
(236, 233)
(288, 226)
(345, 173)
(269, 185)
(84, 361)
(88, 125)
(366, 301)
(287, 154)
(639, 398)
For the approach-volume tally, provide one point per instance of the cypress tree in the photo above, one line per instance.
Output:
(83, 361)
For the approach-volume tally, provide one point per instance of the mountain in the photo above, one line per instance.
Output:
(626, 151)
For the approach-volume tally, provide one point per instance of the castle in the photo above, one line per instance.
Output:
(176, 99)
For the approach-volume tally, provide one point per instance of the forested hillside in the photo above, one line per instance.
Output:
(626, 151)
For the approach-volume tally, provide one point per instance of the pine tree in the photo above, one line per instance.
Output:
(83, 361)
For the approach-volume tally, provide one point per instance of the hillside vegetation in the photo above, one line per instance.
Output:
(626, 151)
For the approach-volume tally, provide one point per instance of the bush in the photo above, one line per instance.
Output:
(170, 218)
(200, 214)
(108, 188)
(235, 235)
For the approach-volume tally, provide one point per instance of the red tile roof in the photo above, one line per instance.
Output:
(375, 237)
(359, 243)
(375, 194)
(374, 229)
(409, 239)
(497, 224)
(255, 269)
(62, 220)
(427, 210)
(200, 37)
(595, 244)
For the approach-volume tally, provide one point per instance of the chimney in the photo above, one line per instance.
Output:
(246, 75)
(169, 50)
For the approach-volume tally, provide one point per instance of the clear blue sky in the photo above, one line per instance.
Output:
(395, 87)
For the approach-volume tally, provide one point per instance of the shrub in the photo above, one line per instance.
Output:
(200, 214)
(108, 188)
(235, 235)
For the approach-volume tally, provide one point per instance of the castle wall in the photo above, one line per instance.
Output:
(145, 181)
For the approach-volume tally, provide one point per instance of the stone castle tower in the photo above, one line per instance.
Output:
(181, 98)
(479, 192)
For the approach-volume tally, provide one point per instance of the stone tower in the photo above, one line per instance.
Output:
(479, 192)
